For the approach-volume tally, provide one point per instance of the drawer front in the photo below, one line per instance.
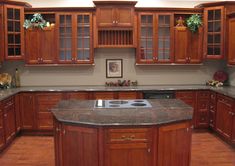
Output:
(203, 94)
(202, 120)
(127, 95)
(128, 135)
(212, 119)
(225, 100)
(213, 97)
(8, 103)
(185, 94)
(104, 95)
(202, 105)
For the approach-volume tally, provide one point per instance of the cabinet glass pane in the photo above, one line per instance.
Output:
(17, 51)
(210, 15)
(10, 39)
(210, 27)
(217, 26)
(17, 14)
(17, 26)
(210, 50)
(86, 19)
(149, 54)
(149, 43)
(217, 51)
(86, 54)
(217, 14)
(10, 13)
(10, 26)
(17, 39)
(210, 39)
(11, 51)
(217, 38)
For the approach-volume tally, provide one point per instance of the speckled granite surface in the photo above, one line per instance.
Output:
(83, 112)
(228, 91)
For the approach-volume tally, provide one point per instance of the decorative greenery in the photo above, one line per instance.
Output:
(194, 22)
(36, 22)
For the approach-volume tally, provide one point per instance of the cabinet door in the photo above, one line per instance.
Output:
(181, 45)
(32, 49)
(105, 16)
(231, 41)
(47, 46)
(44, 102)
(214, 32)
(165, 32)
(65, 37)
(14, 32)
(28, 114)
(104, 95)
(124, 16)
(146, 47)
(17, 112)
(202, 112)
(233, 128)
(77, 95)
(79, 146)
(58, 143)
(174, 145)
(1, 34)
(194, 49)
(127, 95)
(2, 135)
(84, 51)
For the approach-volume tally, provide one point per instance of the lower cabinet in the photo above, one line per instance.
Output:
(103, 95)
(128, 147)
(174, 145)
(225, 116)
(17, 112)
(76, 146)
(2, 135)
(212, 110)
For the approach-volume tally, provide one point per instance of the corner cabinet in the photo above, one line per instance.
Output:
(14, 32)
(231, 41)
(1, 34)
(214, 32)
(74, 36)
(155, 35)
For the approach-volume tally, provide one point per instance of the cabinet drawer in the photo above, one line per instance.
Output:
(185, 94)
(225, 100)
(8, 103)
(203, 94)
(202, 105)
(127, 95)
(128, 135)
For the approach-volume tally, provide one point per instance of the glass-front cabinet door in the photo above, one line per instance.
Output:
(155, 32)
(14, 36)
(74, 33)
(214, 32)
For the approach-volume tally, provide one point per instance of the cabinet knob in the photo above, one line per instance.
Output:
(149, 150)
(116, 22)
(113, 22)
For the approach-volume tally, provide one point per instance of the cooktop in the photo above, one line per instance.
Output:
(137, 103)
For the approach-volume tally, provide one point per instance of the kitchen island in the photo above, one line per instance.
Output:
(150, 133)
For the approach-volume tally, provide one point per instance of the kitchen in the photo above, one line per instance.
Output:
(64, 75)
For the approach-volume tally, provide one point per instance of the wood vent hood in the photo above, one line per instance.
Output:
(114, 24)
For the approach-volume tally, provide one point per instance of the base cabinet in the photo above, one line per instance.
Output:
(122, 146)
(174, 145)
(2, 137)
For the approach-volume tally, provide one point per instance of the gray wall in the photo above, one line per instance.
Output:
(96, 75)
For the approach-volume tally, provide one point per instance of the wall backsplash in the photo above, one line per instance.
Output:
(96, 75)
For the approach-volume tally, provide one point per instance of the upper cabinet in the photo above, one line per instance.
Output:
(115, 24)
(214, 32)
(1, 34)
(74, 36)
(14, 32)
(231, 41)
(155, 35)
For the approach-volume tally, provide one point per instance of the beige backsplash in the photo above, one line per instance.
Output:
(96, 75)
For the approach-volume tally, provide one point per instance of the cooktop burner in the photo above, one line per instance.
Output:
(122, 104)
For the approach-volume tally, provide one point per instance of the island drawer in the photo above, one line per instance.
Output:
(128, 135)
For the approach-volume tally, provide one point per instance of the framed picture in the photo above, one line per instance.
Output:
(114, 68)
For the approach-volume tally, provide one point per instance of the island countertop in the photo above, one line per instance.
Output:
(163, 111)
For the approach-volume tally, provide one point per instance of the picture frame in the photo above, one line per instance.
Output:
(114, 68)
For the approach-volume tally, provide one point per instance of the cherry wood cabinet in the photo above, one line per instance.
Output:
(174, 145)
(2, 135)
(225, 116)
(214, 32)
(17, 112)
(188, 45)
(78, 95)
(212, 110)
(74, 36)
(9, 119)
(28, 111)
(118, 15)
(40, 50)
(155, 35)
(104, 95)
(1, 34)
(79, 146)
(44, 102)
(14, 33)
(130, 95)
(128, 147)
(231, 41)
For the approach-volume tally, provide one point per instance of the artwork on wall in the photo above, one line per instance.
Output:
(114, 68)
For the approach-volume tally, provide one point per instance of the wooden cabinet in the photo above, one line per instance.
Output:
(231, 41)
(202, 111)
(78, 95)
(104, 95)
(74, 36)
(28, 112)
(130, 95)
(212, 110)
(155, 35)
(14, 33)
(128, 147)
(79, 146)
(9, 119)
(188, 46)
(17, 112)
(2, 135)
(1, 34)
(40, 50)
(44, 102)
(115, 15)
(224, 116)
(174, 145)
(214, 32)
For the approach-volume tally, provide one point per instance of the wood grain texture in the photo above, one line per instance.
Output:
(207, 150)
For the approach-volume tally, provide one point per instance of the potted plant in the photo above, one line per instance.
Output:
(194, 22)
(36, 22)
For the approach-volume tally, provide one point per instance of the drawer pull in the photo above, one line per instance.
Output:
(129, 138)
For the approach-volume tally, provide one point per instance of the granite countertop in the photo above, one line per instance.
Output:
(228, 90)
(83, 113)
